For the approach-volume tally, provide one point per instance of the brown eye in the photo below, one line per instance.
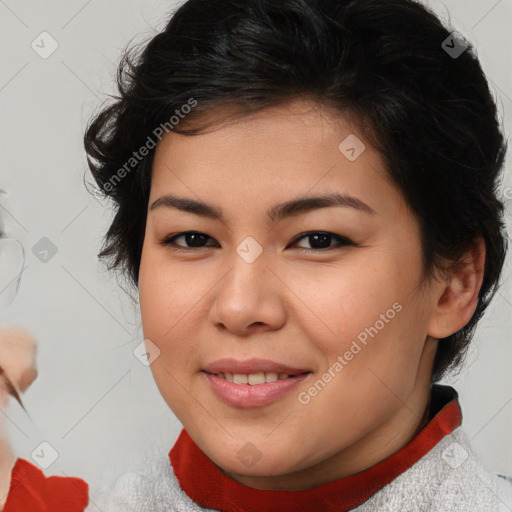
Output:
(193, 239)
(321, 240)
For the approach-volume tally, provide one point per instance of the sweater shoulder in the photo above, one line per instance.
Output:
(151, 485)
(468, 483)
(450, 477)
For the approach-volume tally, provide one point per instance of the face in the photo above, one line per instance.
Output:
(325, 292)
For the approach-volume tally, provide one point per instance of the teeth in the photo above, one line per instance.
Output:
(256, 378)
(253, 378)
(240, 378)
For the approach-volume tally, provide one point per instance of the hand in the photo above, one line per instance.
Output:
(17, 362)
(17, 359)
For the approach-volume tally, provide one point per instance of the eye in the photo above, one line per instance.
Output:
(320, 240)
(193, 238)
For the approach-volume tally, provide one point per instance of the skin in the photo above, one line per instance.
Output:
(17, 356)
(301, 309)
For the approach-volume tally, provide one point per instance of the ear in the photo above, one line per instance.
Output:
(457, 296)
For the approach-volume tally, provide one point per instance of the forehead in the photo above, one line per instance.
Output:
(283, 151)
(291, 124)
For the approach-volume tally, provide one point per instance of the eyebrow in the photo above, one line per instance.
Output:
(276, 213)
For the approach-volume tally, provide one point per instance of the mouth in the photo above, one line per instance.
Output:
(252, 383)
(252, 371)
(254, 379)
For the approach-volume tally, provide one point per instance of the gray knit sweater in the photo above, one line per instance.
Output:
(450, 477)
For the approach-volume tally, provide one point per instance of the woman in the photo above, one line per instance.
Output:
(305, 201)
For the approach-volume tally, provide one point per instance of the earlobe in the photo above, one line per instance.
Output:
(457, 297)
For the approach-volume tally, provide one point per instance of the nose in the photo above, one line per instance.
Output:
(249, 299)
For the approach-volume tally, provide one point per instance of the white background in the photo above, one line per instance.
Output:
(93, 401)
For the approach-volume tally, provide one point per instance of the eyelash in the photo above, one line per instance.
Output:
(343, 241)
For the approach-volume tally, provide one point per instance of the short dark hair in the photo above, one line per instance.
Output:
(429, 113)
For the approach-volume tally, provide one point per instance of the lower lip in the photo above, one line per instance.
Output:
(245, 395)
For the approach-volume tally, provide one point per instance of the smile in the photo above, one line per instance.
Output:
(253, 379)
(253, 389)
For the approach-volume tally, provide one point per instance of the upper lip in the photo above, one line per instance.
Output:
(251, 366)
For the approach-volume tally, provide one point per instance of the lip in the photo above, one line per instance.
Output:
(254, 365)
(247, 395)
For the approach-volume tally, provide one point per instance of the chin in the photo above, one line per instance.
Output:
(235, 468)
(252, 459)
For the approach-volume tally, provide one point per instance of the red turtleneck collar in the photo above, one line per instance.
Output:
(205, 483)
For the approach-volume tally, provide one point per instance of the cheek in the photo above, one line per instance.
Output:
(172, 300)
(163, 310)
(368, 316)
(340, 302)
(166, 294)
